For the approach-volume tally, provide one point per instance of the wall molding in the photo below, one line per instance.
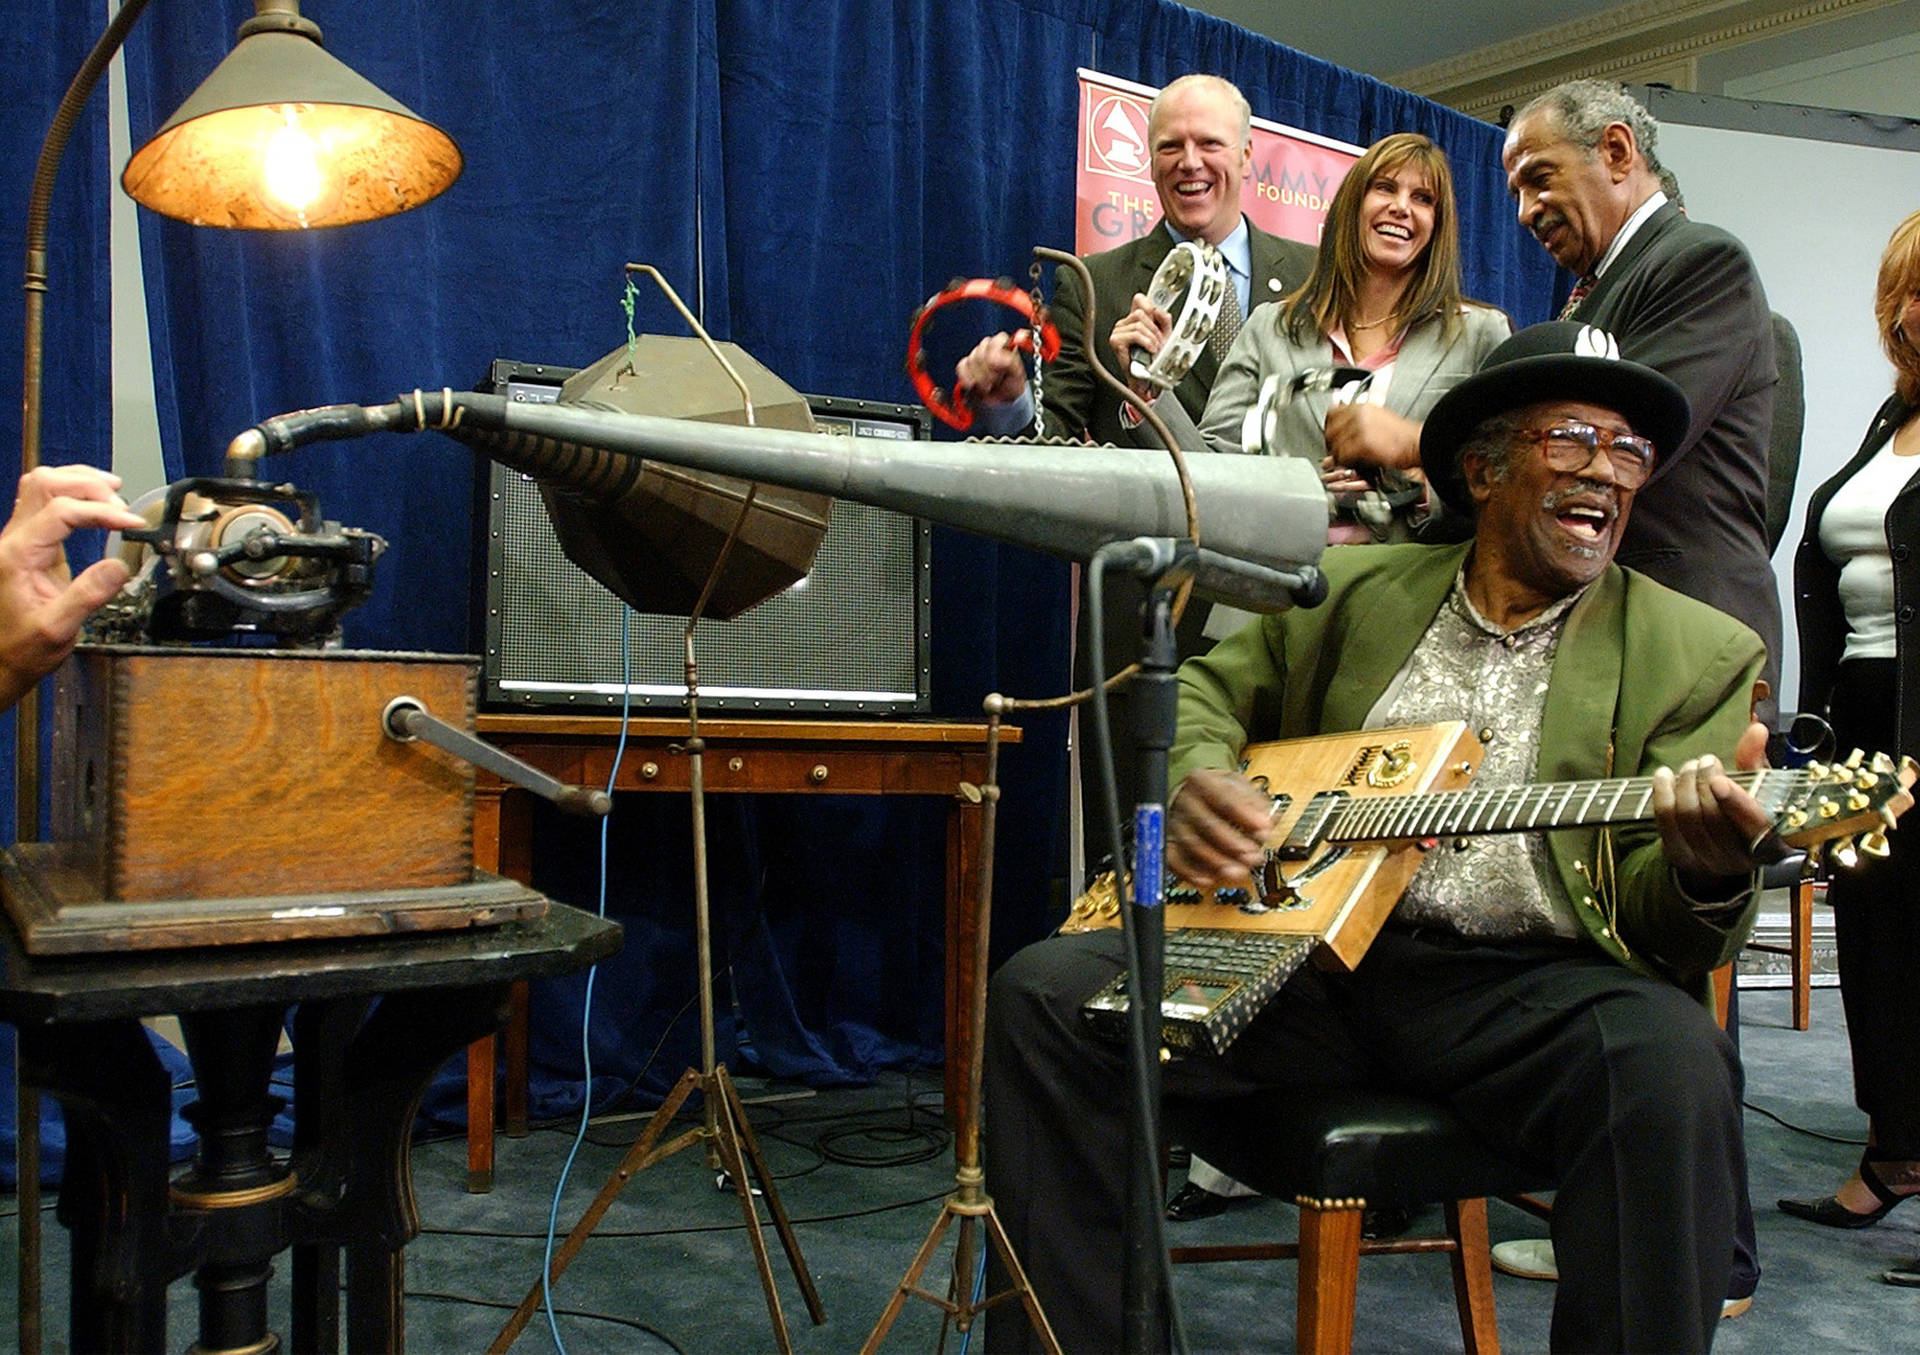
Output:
(1641, 42)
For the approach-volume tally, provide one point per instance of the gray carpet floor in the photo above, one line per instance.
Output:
(670, 1267)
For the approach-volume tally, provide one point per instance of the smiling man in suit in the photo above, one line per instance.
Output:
(1685, 299)
(1200, 137)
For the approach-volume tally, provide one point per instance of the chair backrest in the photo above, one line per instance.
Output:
(1789, 421)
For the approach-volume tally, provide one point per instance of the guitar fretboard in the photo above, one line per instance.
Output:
(1510, 809)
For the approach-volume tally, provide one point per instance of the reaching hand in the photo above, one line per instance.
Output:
(1372, 435)
(994, 372)
(1217, 828)
(41, 607)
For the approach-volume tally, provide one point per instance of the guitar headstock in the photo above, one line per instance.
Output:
(1851, 805)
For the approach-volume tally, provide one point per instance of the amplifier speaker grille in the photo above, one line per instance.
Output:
(850, 637)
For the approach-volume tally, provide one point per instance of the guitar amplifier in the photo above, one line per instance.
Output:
(851, 637)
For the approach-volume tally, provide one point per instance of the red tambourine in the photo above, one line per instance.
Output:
(957, 413)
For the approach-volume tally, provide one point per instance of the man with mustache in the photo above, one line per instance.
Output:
(1683, 298)
(1556, 1005)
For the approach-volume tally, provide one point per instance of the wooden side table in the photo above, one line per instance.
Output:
(743, 756)
(376, 1019)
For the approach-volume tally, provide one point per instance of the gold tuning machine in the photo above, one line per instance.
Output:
(1874, 844)
(1843, 854)
(1854, 759)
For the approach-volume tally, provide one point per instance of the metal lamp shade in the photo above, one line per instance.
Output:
(366, 155)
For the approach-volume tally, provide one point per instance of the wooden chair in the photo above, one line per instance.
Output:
(1798, 878)
(1337, 1151)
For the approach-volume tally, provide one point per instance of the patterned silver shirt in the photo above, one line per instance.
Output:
(1502, 886)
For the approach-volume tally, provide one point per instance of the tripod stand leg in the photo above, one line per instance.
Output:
(960, 1307)
(638, 1156)
(737, 1116)
(910, 1281)
(728, 1145)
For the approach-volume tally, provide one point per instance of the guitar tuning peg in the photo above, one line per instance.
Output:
(1843, 854)
(1882, 763)
(1874, 844)
(1857, 801)
(1816, 855)
(1855, 758)
(1817, 770)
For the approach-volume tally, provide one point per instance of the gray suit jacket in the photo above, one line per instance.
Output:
(1685, 299)
(1429, 365)
(1074, 399)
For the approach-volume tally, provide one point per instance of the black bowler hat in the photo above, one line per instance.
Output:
(1558, 360)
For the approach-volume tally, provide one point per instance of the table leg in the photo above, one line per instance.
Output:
(118, 1107)
(502, 844)
(384, 1073)
(236, 1185)
(321, 1033)
(482, 1058)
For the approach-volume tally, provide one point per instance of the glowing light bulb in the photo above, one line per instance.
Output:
(293, 176)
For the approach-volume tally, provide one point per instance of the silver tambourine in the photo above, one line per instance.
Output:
(1198, 273)
(1260, 428)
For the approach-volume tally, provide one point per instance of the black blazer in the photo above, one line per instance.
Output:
(1075, 399)
(1816, 589)
(1684, 298)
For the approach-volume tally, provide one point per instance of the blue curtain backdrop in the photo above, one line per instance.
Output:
(805, 175)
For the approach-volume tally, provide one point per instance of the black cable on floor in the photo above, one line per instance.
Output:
(1802, 1129)
(635, 1323)
(696, 1228)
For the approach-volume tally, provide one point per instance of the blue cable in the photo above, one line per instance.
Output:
(979, 1288)
(586, 1015)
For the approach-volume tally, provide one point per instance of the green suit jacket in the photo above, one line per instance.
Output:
(1643, 678)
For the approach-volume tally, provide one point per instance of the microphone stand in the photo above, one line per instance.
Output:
(1146, 1302)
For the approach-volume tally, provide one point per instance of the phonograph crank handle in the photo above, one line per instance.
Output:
(406, 719)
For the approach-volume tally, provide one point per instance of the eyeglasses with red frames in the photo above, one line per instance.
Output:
(1569, 448)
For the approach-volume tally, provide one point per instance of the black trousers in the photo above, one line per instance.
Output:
(1876, 926)
(1620, 1085)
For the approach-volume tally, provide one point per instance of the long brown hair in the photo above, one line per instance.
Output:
(1332, 288)
(1899, 283)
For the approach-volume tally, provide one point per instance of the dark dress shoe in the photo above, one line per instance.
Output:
(1192, 1202)
(1906, 1274)
(1387, 1221)
(1829, 1211)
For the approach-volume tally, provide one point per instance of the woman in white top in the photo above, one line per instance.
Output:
(1857, 602)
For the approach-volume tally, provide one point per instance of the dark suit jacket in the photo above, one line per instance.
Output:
(1075, 400)
(1684, 298)
(1816, 589)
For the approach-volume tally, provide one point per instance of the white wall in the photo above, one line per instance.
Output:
(1816, 216)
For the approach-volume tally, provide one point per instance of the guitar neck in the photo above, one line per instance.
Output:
(1516, 809)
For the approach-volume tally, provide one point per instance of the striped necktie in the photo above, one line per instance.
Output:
(1576, 296)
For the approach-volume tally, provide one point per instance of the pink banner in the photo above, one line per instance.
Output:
(1287, 192)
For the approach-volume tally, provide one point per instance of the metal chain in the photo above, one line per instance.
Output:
(1039, 363)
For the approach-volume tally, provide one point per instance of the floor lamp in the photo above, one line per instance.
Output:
(281, 136)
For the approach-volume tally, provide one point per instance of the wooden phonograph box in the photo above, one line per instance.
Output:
(232, 795)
